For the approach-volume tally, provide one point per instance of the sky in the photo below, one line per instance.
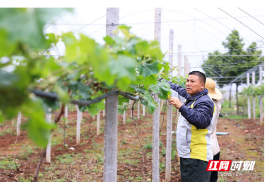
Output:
(199, 30)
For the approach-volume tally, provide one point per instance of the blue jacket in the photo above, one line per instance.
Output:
(201, 114)
(193, 135)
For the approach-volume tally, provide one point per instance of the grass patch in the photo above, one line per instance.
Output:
(65, 158)
(7, 164)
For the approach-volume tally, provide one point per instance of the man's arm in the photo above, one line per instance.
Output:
(181, 91)
(200, 116)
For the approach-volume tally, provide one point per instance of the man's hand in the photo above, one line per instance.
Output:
(176, 102)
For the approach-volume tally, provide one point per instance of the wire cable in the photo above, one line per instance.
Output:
(57, 19)
(89, 24)
(241, 23)
(250, 15)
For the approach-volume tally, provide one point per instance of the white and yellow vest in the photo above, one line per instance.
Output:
(192, 142)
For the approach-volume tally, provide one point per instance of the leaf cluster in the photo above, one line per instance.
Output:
(86, 71)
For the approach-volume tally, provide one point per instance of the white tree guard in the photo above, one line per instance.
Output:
(79, 119)
(254, 103)
(48, 148)
(249, 113)
(66, 111)
(261, 106)
(138, 110)
(124, 117)
(98, 124)
(18, 123)
(143, 110)
(179, 74)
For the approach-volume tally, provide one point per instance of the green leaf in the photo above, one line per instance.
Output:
(27, 26)
(149, 102)
(163, 88)
(96, 108)
(37, 128)
(123, 66)
(147, 69)
(108, 40)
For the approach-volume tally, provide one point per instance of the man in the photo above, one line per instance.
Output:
(216, 96)
(194, 128)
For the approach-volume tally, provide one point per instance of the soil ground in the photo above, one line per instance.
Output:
(245, 142)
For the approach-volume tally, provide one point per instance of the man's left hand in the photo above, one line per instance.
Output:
(176, 102)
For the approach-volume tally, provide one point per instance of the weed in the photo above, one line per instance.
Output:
(147, 146)
(65, 158)
(161, 166)
(123, 142)
(95, 170)
(163, 151)
(8, 131)
(130, 178)
(138, 178)
(86, 151)
(221, 179)
(128, 121)
(7, 164)
(161, 144)
(22, 179)
(149, 154)
(261, 148)
(99, 159)
(1, 134)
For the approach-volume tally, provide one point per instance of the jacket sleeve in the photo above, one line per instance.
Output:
(200, 116)
(181, 91)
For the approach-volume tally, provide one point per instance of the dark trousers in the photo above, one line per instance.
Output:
(194, 170)
(214, 174)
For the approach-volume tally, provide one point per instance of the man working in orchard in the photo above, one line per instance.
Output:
(194, 128)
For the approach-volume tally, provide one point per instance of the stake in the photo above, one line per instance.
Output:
(98, 124)
(185, 66)
(18, 123)
(48, 148)
(111, 108)
(254, 104)
(179, 74)
(261, 107)
(138, 111)
(66, 118)
(249, 114)
(156, 114)
(79, 119)
(169, 117)
(124, 117)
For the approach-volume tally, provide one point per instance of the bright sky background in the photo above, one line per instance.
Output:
(198, 30)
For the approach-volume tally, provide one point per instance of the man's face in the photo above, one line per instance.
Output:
(194, 85)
